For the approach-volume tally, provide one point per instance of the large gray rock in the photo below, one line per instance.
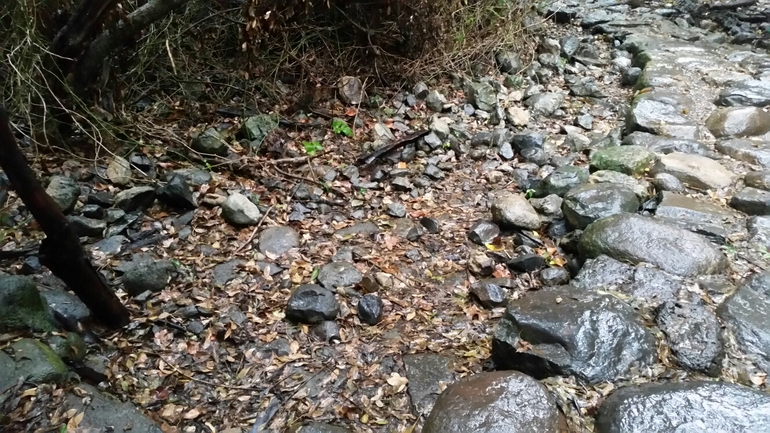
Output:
(748, 92)
(589, 202)
(64, 191)
(661, 112)
(633, 238)
(685, 407)
(694, 170)
(666, 145)
(496, 402)
(102, 412)
(428, 374)
(65, 303)
(739, 122)
(751, 201)
(544, 104)
(755, 152)
(568, 331)
(640, 187)
(238, 210)
(758, 179)
(278, 240)
(513, 211)
(747, 314)
(311, 303)
(694, 335)
(119, 171)
(136, 198)
(36, 362)
(21, 306)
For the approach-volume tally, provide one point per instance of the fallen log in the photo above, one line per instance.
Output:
(60, 251)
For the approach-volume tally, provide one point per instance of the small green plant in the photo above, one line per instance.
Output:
(765, 253)
(529, 193)
(341, 127)
(312, 147)
(446, 145)
(314, 275)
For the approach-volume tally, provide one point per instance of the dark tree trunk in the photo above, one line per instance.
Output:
(60, 251)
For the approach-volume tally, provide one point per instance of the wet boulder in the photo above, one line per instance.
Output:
(590, 202)
(496, 402)
(568, 331)
(634, 239)
(685, 407)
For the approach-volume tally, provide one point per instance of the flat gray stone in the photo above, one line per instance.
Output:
(685, 407)
(590, 202)
(278, 240)
(694, 335)
(630, 160)
(694, 170)
(102, 412)
(634, 239)
(738, 122)
(747, 314)
(513, 211)
(426, 373)
(755, 152)
(748, 92)
(665, 145)
(339, 274)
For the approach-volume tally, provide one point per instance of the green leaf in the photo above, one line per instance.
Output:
(341, 127)
(314, 275)
(312, 147)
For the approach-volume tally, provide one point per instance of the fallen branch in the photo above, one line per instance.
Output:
(401, 142)
(60, 251)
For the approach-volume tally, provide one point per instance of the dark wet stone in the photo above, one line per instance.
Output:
(684, 407)
(148, 275)
(481, 139)
(554, 276)
(666, 145)
(428, 373)
(87, 226)
(630, 160)
(482, 95)
(634, 238)
(278, 240)
(640, 187)
(755, 152)
(370, 309)
(177, 193)
(630, 76)
(66, 303)
(431, 225)
(668, 182)
(758, 179)
(751, 201)
(747, 315)
(93, 211)
(339, 274)
(396, 210)
(759, 282)
(480, 264)
(585, 87)
(483, 232)
(526, 263)
(64, 191)
(136, 198)
(535, 156)
(738, 122)
(585, 121)
(401, 183)
(561, 180)
(527, 140)
(496, 402)
(488, 294)
(100, 198)
(111, 245)
(327, 331)
(654, 286)
(694, 335)
(748, 92)
(31, 265)
(603, 273)
(568, 331)
(311, 303)
(587, 203)
(548, 207)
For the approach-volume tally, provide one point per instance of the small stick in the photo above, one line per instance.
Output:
(254, 232)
